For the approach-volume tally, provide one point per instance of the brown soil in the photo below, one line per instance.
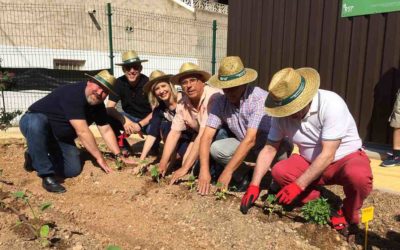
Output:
(133, 212)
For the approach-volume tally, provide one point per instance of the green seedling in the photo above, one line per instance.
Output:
(191, 183)
(221, 191)
(112, 247)
(142, 167)
(155, 173)
(42, 232)
(272, 205)
(119, 164)
(317, 211)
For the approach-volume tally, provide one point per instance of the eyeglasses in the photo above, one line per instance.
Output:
(135, 66)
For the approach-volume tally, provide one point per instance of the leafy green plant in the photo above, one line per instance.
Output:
(191, 183)
(119, 164)
(221, 191)
(7, 117)
(155, 173)
(41, 232)
(317, 211)
(272, 205)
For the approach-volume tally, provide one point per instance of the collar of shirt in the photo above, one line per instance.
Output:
(314, 106)
(245, 95)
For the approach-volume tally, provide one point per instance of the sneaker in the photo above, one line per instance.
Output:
(28, 162)
(391, 161)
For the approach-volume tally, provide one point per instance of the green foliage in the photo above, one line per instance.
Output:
(45, 206)
(119, 164)
(272, 205)
(112, 247)
(44, 235)
(317, 211)
(191, 183)
(221, 191)
(155, 173)
(7, 117)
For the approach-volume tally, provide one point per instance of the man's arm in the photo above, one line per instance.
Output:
(238, 157)
(169, 148)
(89, 142)
(145, 121)
(264, 160)
(320, 163)
(194, 151)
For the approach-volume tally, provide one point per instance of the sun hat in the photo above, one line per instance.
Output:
(130, 57)
(105, 79)
(155, 77)
(232, 73)
(189, 68)
(290, 90)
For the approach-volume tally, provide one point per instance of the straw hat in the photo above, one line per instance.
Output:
(291, 90)
(189, 69)
(232, 73)
(105, 79)
(130, 57)
(155, 77)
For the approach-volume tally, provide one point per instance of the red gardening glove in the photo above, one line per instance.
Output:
(288, 193)
(121, 138)
(249, 198)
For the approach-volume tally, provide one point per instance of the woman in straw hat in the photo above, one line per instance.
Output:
(321, 125)
(163, 97)
(51, 125)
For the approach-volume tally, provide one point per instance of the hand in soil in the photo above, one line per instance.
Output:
(204, 183)
(128, 160)
(224, 179)
(103, 164)
(178, 174)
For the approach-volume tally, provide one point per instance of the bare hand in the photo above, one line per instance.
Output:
(128, 160)
(103, 164)
(178, 174)
(204, 183)
(162, 168)
(224, 179)
(131, 127)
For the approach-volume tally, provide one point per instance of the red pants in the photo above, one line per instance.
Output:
(353, 172)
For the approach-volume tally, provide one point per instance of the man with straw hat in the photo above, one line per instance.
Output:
(129, 90)
(241, 108)
(51, 125)
(191, 116)
(320, 124)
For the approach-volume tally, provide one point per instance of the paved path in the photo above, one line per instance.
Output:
(385, 179)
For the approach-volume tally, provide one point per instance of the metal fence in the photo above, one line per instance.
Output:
(43, 46)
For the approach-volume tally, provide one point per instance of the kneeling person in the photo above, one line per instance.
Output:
(51, 125)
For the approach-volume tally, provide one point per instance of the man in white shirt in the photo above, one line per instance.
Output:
(320, 124)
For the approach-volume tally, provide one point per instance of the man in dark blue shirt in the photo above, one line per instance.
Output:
(136, 113)
(51, 125)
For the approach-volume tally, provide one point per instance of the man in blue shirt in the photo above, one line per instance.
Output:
(51, 125)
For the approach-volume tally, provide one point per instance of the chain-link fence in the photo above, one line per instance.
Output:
(44, 46)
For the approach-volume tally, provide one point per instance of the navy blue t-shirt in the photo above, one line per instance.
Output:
(159, 117)
(66, 103)
(133, 99)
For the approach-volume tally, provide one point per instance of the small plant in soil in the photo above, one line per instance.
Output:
(142, 167)
(272, 205)
(191, 183)
(41, 232)
(119, 164)
(155, 173)
(112, 247)
(221, 191)
(317, 211)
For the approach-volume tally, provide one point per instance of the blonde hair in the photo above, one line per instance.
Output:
(154, 101)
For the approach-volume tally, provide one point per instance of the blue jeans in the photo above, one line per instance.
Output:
(49, 155)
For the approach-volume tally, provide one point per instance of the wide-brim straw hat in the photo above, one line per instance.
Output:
(155, 77)
(104, 79)
(291, 90)
(130, 57)
(189, 69)
(232, 73)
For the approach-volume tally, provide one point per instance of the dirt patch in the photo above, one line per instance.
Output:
(134, 212)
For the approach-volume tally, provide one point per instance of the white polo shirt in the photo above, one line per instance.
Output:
(328, 119)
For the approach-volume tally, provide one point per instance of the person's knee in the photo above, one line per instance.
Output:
(217, 151)
(278, 172)
(72, 171)
(359, 178)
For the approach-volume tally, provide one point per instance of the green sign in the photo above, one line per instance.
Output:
(366, 7)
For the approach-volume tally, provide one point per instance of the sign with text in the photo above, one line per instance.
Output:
(366, 7)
